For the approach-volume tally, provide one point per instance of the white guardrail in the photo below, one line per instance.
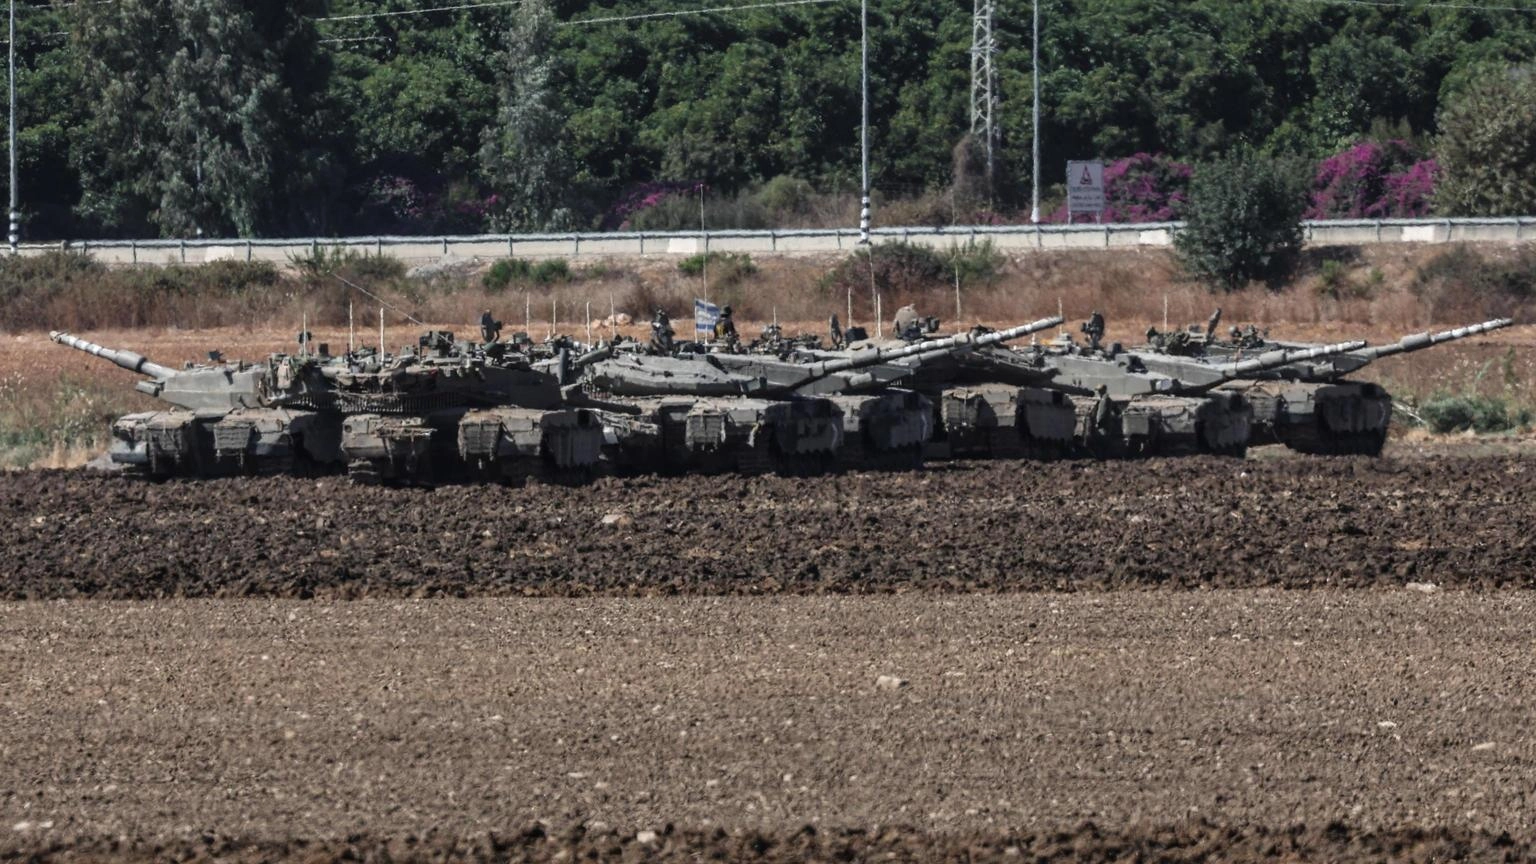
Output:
(779, 242)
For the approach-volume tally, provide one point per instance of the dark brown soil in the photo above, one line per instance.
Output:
(999, 526)
(1228, 725)
(1198, 842)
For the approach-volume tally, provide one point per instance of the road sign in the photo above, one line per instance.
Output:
(1085, 187)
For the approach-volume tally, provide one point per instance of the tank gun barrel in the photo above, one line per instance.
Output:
(129, 360)
(1420, 341)
(595, 355)
(1280, 357)
(929, 348)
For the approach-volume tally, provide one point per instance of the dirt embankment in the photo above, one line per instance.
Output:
(1001, 526)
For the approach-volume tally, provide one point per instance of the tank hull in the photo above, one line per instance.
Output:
(1218, 424)
(1320, 418)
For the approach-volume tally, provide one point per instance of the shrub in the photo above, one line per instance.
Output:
(641, 197)
(1336, 282)
(1145, 187)
(1243, 221)
(1373, 180)
(784, 197)
(1472, 412)
(506, 272)
(902, 272)
(722, 265)
(975, 262)
(322, 262)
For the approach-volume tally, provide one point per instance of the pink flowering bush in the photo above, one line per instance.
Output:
(644, 196)
(1373, 180)
(1140, 188)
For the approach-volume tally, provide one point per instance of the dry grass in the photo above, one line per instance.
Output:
(56, 404)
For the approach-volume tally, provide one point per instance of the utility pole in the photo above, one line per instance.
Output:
(1034, 75)
(984, 82)
(15, 234)
(864, 212)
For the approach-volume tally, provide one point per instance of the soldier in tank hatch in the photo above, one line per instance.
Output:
(490, 328)
(661, 334)
(725, 329)
(1093, 328)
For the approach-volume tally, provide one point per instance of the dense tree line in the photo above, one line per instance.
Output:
(174, 117)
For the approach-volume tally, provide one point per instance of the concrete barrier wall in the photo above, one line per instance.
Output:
(1013, 238)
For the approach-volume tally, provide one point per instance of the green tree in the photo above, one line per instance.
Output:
(523, 156)
(1243, 220)
(205, 115)
(1487, 147)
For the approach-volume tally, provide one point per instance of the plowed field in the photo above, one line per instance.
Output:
(1318, 724)
(1034, 668)
(986, 526)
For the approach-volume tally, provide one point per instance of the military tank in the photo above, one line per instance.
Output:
(440, 411)
(1060, 398)
(1127, 406)
(753, 412)
(1309, 405)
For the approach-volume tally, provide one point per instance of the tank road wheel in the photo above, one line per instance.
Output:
(754, 459)
(1372, 441)
(363, 472)
(804, 464)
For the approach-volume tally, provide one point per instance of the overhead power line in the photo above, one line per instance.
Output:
(682, 12)
(424, 11)
(1426, 4)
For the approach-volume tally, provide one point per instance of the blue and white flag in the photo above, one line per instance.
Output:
(705, 314)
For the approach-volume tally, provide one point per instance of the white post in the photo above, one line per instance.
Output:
(351, 330)
(957, 293)
(1165, 313)
(1034, 209)
(15, 234)
(613, 320)
(527, 315)
(589, 323)
(554, 310)
(864, 210)
(381, 333)
(704, 241)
